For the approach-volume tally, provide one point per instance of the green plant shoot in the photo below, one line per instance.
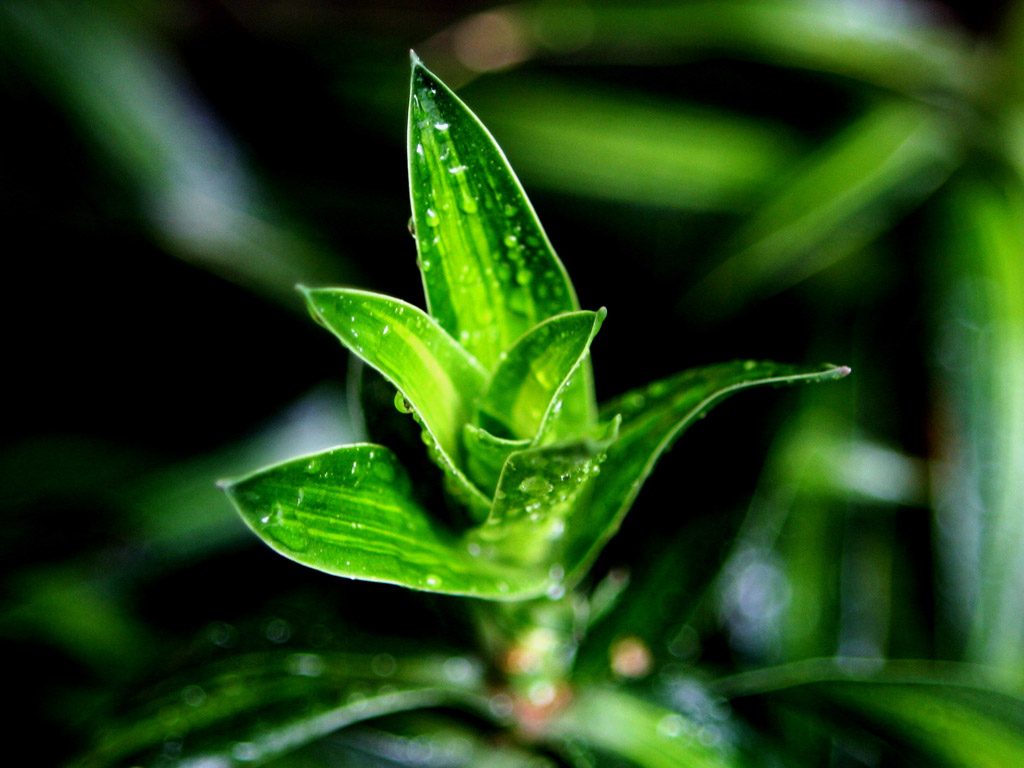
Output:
(497, 374)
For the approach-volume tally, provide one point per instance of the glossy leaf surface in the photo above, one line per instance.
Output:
(652, 418)
(350, 512)
(486, 455)
(489, 272)
(255, 708)
(437, 377)
(539, 489)
(522, 392)
(627, 727)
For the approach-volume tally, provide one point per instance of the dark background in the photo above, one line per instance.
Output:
(170, 169)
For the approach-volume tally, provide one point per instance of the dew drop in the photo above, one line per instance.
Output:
(193, 695)
(383, 471)
(511, 210)
(750, 365)
(385, 330)
(671, 726)
(511, 241)
(432, 580)
(383, 665)
(441, 126)
(412, 227)
(468, 205)
(456, 168)
(305, 664)
(432, 218)
(245, 751)
(284, 527)
(535, 486)
(401, 404)
(555, 591)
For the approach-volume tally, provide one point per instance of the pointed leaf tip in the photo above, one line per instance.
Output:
(414, 59)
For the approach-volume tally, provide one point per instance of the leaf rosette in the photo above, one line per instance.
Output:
(497, 373)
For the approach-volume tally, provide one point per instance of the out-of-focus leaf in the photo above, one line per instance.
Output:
(489, 272)
(137, 108)
(350, 512)
(537, 492)
(980, 494)
(885, 44)
(844, 196)
(652, 418)
(437, 377)
(616, 722)
(416, 737)
(522, 395)
(937, 713)
(254, 708)
(68, 608)
(952, 726)
(567, 138)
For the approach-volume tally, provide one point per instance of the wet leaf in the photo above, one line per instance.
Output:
(486, 455)
(538, 490)
(251, 709)
(437, 377)
(652, 418)
(350, 512)
(524, 394)
(489, 272)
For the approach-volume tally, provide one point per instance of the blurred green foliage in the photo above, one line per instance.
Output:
(768, 179)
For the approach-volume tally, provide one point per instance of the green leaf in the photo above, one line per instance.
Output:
(909, 52)
(489, 272)
(652, 418)
(982, 318)
(251, 709)
(628, 727)
(568, 137)
(538, 490)
(436, 376)
(842, 198)
(349, 512)
(524, 394)
(943, 713)
(954, 726)
(486, 455)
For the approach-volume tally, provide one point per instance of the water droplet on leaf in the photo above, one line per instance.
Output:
(535, 486)
(284, 527)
